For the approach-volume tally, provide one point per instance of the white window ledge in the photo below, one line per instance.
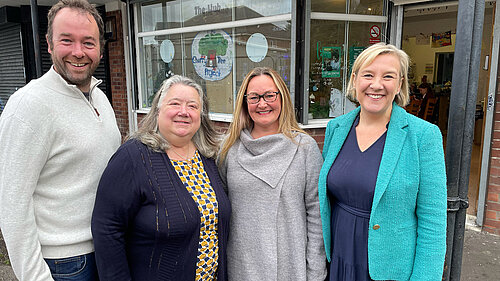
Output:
(224, 117)
(315, 124)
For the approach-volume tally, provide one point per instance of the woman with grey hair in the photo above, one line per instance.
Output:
(161, 212)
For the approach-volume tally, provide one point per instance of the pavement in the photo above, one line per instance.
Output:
(480, 260)
(6, 273)
(481, 254)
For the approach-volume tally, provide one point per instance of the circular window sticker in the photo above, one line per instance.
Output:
(212, 54)
(167, 51)
(257, 47)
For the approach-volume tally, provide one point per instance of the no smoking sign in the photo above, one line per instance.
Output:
(374, 34)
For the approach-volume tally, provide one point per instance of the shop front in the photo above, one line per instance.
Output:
(218, 42)
(312, 44)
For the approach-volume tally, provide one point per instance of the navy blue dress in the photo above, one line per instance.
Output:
(351, 185)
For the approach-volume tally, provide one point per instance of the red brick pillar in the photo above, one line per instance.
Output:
(118, 76)
(318, 135)
(492, 209)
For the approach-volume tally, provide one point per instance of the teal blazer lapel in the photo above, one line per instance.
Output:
(395, 139)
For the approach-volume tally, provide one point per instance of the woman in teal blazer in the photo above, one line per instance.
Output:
(401, 235)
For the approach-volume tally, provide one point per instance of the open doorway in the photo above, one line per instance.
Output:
(429, 39)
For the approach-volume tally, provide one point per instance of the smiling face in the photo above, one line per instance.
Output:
(179, 114)
(265, 115)
(75, 49)
(377, 85)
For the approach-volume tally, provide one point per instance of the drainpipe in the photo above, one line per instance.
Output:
(461, 127)
(36, 37)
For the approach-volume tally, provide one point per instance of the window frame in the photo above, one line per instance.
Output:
(215, 116)
(348, 19)
(298, 74)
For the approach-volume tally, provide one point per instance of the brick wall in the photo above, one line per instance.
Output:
(492, 211)
(118, 76)
(317, 134)
(221, 127)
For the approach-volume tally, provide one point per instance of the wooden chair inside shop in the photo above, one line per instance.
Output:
(429, 109)
(414, 106)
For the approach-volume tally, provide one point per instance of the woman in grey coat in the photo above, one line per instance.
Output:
(271, 169)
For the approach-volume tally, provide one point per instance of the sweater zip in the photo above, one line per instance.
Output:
(97, 114)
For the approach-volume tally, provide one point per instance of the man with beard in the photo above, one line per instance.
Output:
(57, 134)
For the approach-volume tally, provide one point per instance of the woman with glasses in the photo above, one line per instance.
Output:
(271, 167)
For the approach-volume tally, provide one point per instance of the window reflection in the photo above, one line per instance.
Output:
(195, 12)
(326, 69)
(159, 15)
(331, 59)
(158, 62)
(209, 61)
(246, 9)
(278, 51)
(215, 58)
(210, 57)
(362, 7)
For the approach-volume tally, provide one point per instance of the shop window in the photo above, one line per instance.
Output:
(212, 46)
(161, 57)
(159, 15)
(275, 53)
(326, 72)
(362, 7)
(217, 42)
(196, 12)
(262, 8)
(335, 42)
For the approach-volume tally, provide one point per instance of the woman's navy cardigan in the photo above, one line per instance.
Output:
(145, 224)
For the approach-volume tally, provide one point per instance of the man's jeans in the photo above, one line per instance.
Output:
(79, 268)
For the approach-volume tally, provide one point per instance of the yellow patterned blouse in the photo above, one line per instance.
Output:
(195, 179)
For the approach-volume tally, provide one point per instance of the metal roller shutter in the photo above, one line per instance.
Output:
(11, 61)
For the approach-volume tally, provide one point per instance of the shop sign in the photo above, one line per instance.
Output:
(374, 34)
(198, 10)
(211, 54)
(330, 65)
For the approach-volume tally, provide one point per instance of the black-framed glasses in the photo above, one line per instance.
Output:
(255, 98)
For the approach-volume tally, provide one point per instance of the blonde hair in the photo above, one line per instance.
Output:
(288, 125)
(206, 139)
(368, 56)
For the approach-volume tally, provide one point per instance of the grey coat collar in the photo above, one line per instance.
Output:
(266, 158)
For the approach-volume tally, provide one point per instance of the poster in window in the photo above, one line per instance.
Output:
(336, 97)
(330, 62)
(212, 54)
(354, 52)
